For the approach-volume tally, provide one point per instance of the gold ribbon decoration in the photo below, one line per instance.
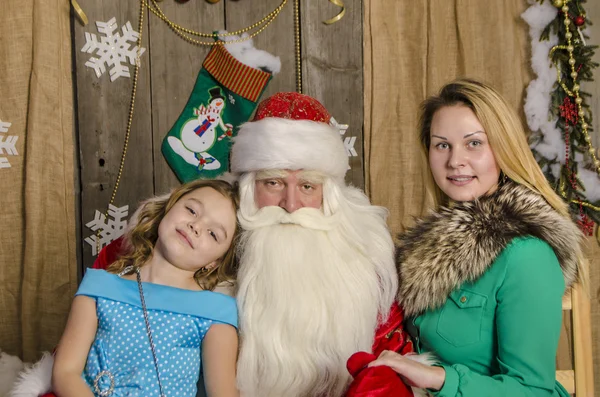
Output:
(80, 14)
(339, 16)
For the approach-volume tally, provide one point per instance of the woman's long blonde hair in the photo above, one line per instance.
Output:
(506, 136)
(140, 240)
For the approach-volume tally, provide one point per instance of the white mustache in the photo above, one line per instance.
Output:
(311, 218)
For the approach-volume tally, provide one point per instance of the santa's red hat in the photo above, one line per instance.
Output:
(290, 131)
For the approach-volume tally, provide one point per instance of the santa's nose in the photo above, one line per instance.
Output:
(290, 200)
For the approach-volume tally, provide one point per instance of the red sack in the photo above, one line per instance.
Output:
(381, 381)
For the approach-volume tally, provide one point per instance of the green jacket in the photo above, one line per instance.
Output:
(482, 290)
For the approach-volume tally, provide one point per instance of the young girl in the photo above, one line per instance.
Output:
(146, 325)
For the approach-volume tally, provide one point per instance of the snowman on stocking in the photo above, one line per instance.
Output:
(199, 134)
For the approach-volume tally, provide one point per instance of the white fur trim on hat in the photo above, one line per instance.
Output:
(277, 143)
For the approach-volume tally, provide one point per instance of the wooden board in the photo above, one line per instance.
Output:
(102, 110)
(593, 253)
(277, 38)
(331, 59)
(332, 67)
(175, 64)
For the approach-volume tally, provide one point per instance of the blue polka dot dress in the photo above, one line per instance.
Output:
(121, 352)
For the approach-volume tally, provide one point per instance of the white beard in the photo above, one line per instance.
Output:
(311, 292)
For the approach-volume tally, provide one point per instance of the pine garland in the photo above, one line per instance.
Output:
(572, 58)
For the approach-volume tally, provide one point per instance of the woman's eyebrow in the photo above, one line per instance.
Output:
(473, 133)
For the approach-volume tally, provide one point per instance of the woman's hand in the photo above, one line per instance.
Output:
(412, 372)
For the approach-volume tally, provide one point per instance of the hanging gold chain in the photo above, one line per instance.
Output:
(575, 91)
(297, 43)
(187, 34)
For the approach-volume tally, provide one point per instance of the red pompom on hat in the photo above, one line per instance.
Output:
(290, 131)
(292, 106)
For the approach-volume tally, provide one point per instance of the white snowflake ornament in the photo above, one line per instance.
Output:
(7, 144)
(110, 229)
(112, 49)
(349, 141)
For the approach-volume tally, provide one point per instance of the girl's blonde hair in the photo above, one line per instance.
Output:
(140, 240)
(506, 136)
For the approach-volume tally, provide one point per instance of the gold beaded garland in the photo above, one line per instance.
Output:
(563, 5)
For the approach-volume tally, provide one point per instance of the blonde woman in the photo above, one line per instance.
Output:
(482, 278)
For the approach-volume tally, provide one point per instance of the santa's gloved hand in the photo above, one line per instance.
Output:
(378, 381)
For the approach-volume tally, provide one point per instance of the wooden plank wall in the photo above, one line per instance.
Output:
(332, 68)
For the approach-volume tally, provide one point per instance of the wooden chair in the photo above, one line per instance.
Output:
(580, 380)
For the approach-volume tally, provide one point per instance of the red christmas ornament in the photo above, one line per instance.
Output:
(586, 225)
(568, 111)
(579, 20)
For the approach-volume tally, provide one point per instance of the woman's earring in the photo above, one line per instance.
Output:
(204, 269)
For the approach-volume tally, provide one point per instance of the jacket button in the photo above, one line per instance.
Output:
(463, 299)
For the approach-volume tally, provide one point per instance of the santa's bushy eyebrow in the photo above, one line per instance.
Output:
(270, 174)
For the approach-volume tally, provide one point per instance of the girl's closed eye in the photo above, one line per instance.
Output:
(191, 210)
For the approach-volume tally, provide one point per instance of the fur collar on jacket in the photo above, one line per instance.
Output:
(455, 245)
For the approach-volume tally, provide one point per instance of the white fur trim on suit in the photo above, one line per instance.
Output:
(34, 380)
(277, 143)
(10, 366)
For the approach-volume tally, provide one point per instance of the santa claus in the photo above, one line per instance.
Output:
(317, 274)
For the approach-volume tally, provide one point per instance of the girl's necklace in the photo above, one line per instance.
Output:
(148, 330)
